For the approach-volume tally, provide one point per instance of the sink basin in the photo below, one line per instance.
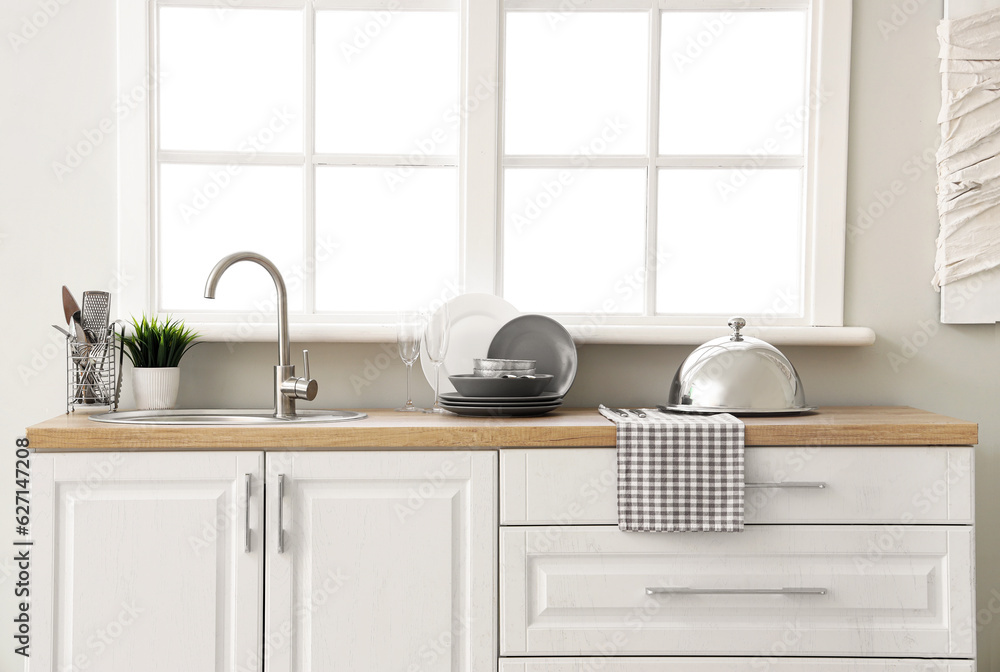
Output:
(217, 416)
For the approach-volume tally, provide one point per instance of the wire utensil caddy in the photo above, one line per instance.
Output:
(93, 369)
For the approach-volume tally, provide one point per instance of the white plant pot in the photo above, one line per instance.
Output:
(155, 388)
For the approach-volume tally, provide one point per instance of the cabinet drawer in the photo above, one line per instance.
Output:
(893, 591)
(754, 664)
(862, 485)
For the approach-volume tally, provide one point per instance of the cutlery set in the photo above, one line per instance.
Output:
(91, 348)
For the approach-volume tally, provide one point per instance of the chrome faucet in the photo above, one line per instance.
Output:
(287, 388)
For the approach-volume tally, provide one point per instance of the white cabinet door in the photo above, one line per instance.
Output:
(141, 562)
(387, 564)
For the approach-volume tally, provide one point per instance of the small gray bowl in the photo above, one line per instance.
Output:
(471, 385)
(505, 364)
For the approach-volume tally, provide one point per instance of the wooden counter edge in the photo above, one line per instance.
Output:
(77, 434)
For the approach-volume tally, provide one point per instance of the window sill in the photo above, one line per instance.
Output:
(582, 334)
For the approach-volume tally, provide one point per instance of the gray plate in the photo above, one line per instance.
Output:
(472, 403)
(548, 397)
(705, 410)
(501, 411)
(543, 339)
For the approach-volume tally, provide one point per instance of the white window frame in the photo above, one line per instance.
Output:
(480, 175)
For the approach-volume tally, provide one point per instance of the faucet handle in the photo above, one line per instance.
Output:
(301, 388)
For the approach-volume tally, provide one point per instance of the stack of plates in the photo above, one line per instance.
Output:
(526, 337)
(501, 407)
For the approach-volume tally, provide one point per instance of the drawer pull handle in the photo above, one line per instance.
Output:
(817, 485)
(246, 514)
(736, 591)
(281, 513)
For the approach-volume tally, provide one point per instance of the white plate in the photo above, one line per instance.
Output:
(475, 320)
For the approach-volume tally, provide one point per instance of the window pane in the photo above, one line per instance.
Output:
(387, 82)
(733, 82)
(383, 244)
(574, 240)
(230, 81)
(576, 83)
(728, 244)
(208, 212)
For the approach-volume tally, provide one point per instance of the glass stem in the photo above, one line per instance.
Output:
(409, 400)
(437, 383)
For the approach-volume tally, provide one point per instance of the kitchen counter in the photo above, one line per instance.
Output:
(830, 426)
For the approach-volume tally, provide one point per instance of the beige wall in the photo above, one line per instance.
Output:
(62, 82)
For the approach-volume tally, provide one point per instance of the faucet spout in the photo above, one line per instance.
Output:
(284, 349)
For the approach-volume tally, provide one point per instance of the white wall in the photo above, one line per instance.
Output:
(51, 233)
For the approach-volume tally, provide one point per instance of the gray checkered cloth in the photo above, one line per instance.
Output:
(679, 473)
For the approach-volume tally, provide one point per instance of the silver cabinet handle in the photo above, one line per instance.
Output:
(246, 514)
(736, 591)
(281, 512)
(818, 485)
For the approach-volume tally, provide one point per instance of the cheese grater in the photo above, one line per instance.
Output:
(95, 314)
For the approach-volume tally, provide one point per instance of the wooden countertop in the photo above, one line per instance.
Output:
(831, 426)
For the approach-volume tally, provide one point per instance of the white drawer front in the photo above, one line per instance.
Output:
(577, 486)
(756, 664)
(892, 591)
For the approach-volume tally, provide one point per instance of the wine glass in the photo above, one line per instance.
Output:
(436, 347)
(408, 330)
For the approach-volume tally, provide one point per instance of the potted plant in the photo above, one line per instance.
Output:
(155, 349)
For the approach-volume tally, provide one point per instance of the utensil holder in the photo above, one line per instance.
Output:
(93, 370)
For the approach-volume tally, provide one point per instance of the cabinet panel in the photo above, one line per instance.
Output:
(884, 485)
(822, 590)
(388, 561)
(142, 564)
(755, 664)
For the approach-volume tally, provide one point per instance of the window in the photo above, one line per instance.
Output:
(618, 164)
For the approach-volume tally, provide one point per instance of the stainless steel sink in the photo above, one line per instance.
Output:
(217, 416)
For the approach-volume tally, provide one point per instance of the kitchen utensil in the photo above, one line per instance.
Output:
(543, 339)
(616, 411)
(409, 327)
(475, 319)
(639, 413)
(485, 364)
(62, 331)
(96, 312)
(502, 411)
(540, 399)
(70, 305)
(436, 341)
(737, 374)
(478, 386)
(81, 333)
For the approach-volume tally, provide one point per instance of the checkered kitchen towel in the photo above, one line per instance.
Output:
(679, 472)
